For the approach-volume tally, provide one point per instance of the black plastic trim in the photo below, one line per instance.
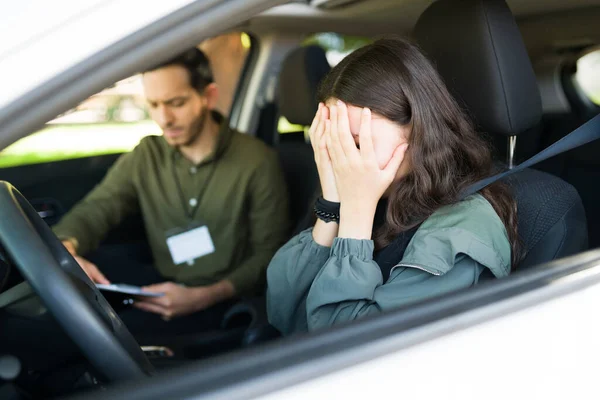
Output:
(244, 80)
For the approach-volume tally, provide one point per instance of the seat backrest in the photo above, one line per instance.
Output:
(478, 49)
(301, 72)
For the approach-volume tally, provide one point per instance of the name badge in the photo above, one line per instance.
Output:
(190, 244)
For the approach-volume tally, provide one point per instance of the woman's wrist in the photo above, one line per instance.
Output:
(331, 196)
(324, 233)
(356, 220)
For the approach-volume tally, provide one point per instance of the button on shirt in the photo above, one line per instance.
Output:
(244, 206)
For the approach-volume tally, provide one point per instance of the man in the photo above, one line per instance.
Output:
(214, 201)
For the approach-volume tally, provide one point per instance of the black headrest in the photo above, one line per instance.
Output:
(478, 49)
(299, 78)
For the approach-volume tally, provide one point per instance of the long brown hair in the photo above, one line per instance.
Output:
(393, 78)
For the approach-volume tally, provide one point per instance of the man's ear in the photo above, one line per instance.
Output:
(211, 93)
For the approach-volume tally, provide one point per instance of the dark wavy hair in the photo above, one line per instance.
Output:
(196, 63)
(395, 79)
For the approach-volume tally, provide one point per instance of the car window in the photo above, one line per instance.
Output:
(336, 46)
(116, 119)
(588, 75)
(227, 54)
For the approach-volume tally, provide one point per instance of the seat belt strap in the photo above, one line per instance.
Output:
(586, 133)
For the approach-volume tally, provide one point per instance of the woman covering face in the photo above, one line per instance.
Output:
(394, 151)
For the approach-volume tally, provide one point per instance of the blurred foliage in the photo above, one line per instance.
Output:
(331, 41)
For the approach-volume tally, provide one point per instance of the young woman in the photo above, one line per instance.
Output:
(394, 152)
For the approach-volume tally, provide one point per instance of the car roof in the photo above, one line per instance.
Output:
(546, 25)
(378, 16)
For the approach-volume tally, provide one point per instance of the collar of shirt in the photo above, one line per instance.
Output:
(223, 141)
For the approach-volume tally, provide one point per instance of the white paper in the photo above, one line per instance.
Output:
(128, 289)
(189, 245)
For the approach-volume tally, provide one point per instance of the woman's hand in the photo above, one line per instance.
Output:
(359, 179)
(322, 159)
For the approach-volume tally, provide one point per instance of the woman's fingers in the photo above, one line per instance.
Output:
(323, 116)
(346, 140)
(391, 169)
(365, 137)
(334, 122)
(315, 121)
(324, 112)
(334, 146)
(329, 144)
(312, 131)
(317, 131)
(322, 141)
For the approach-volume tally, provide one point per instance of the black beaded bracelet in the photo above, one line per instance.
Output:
(327, 211)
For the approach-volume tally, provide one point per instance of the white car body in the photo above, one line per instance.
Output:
(542, 343)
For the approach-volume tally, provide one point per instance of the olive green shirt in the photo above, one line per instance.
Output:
(244, 206)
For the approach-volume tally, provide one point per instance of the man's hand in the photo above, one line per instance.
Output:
(88, 267)
(91, 270)
(70, 246)
(180, 300)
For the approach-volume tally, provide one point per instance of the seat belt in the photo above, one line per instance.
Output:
(586, 133)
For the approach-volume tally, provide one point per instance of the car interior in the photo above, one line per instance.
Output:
(512, 64)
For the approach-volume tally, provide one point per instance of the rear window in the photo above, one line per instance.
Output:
(336, 46)
(588, 75)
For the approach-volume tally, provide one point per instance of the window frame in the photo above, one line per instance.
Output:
(586, 97)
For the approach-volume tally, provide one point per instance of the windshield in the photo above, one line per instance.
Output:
(48, 38)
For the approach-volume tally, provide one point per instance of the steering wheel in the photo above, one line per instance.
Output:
(65, 289)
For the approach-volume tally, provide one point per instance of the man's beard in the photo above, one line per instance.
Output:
(197, 128)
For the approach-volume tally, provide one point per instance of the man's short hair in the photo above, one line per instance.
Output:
(197, 65)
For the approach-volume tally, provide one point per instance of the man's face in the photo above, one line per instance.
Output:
(175, 105)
